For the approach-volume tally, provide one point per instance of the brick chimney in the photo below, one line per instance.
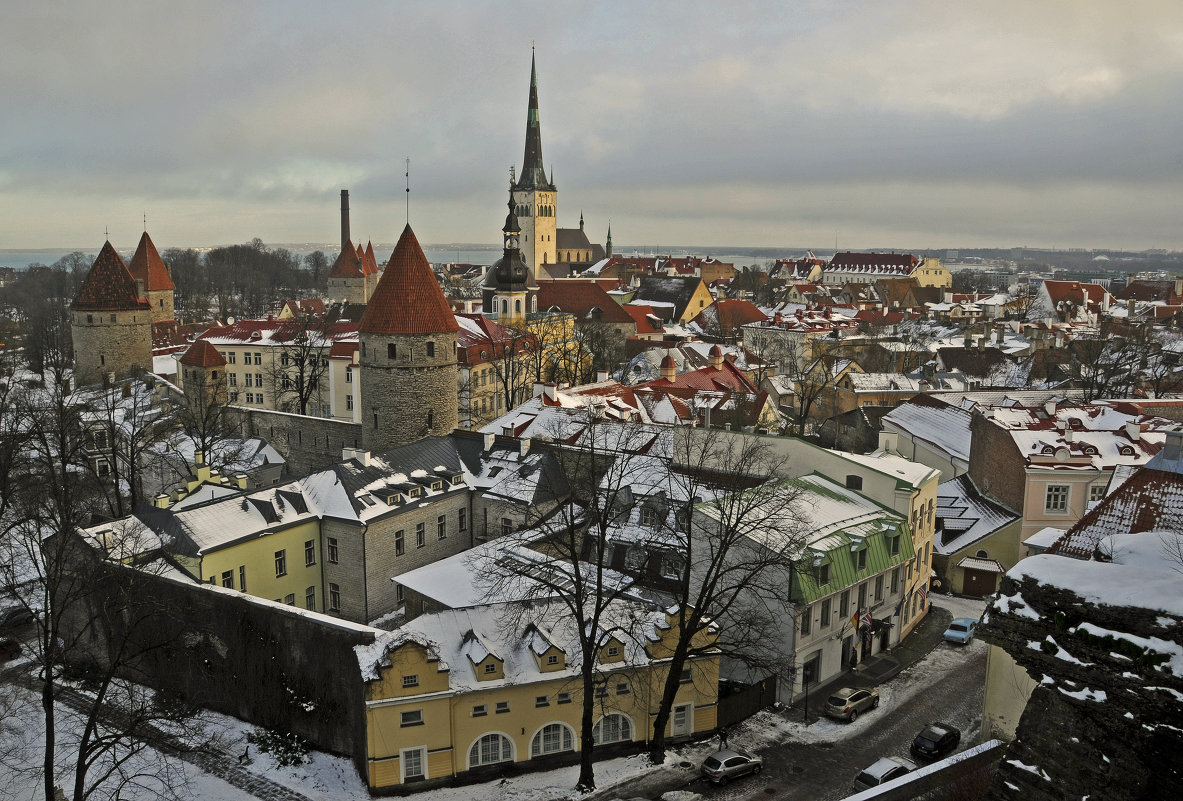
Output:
(344, 218)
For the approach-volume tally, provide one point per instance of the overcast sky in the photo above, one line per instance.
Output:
(891, 124)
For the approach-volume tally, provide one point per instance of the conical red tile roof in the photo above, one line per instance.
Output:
(202, 354)
(108, 286)
(147, 266)
(371, 263)
(348, 264)
(408, 299)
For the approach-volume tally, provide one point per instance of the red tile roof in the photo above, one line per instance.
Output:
(408, 299)
(729, 314)
(108, 286)
(348, 264)
(147, 266)
(580, 297)
(202, 354)
(369, 263)
(647, 321)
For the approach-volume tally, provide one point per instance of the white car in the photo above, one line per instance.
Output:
(883, 770)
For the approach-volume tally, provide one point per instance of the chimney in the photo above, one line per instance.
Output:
(525, 445)
(1133, 431)
(1129, 307)
(362, 456)
(125, 389)
(240, 480)
(981, 343)
(1172, 450)
(889, 441)
(344, 218)
(490, 438)
(1050, 407)
(601, 376)
(140, 293)
(161, 501)
(1059, 339)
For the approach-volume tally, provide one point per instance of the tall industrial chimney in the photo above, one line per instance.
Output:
(344, 218)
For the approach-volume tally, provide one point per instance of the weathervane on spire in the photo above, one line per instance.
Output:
(106, 234)
(408, 177)
(145, 222)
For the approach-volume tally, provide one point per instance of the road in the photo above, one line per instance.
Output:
(819, 763)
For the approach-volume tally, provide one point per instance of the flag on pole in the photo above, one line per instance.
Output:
(866, 620)
(854, 620)
(923, 593)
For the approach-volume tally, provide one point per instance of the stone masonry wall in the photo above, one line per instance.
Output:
(308, 443)
(1104, 720)
(398, 393)
(995, 464)
(162, 305)
(102, 346)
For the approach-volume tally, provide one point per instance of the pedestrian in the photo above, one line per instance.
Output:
(722, 738)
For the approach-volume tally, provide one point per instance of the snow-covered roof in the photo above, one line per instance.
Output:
(964, 516)
(944, 427)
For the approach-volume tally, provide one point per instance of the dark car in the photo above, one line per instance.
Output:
(936, 741)
(722, 766)
(14, 616)
(9, 649)
(848, 703)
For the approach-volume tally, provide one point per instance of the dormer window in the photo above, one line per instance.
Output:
(552, 659)
(649, 517)
(437, 485)
(490, 667)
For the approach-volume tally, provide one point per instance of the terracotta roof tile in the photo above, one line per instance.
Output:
(202, 354)
(369, 263)
(108, 286)
(408, 299)
(581, 297)
(147, 266)
(348, 264)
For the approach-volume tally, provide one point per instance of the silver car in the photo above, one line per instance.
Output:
(722, 766)
(882, 771)
(848, 703)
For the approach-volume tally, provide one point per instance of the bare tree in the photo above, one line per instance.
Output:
(811, 382)
(301, 365)
(734, 527)
(572, 546)
(511, 358)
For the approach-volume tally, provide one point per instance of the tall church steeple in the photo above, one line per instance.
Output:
(534, 194)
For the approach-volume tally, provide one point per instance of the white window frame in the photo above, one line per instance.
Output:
(402, 762)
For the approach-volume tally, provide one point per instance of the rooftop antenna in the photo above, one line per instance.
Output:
(408, 176)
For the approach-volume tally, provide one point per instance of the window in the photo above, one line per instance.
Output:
(259, 398)
(228, 579)
(927, 546)
(563, 698)
(242, 577)
(506, 527)
(844, 605)
(463, 520)
(649, 517)
(862, 559)
(258, 358)
(854, 482)
(553, 738)
(398, 593)
(420, 535)
(687, 676)
(430, 349)
(334, 552)
(806, 620)
(602, 691)
(613, 728)
(283, 359)
(250, 397)
(479, 711)
(249, 379)
(309, 553)
(552, 659)
(441, 527)
(541, 700)
(491, 667)
(414, 765)
(310, 599)
(290, 599)
(489, 750)
(334, 597)
(879, 588)
(281, 563)
(824, 621)
(622, 688)
(232, 358)
(862, 596)
(893, 545)
(502, 707)
(1096, 492)
(411, 681)
(613, 650)
(400, 545)
(412, 718)
(1057, 498)
(349, 402)
(232, 378)
(895, 581)
(823, 575)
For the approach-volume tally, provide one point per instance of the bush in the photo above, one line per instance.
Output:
(286, 749)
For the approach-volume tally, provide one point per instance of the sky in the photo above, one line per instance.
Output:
(899, 124)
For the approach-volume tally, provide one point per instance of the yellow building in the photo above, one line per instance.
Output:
(460, 692)
(931, 272)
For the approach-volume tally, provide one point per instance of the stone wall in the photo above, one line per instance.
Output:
(995, 464)
(161, 301)
(407, 395)
(265, 663)
(1104, 720)
(102, 346)
(308, 443)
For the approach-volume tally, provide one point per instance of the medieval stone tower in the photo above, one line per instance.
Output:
(147, 266)
(203, 375)
(408, 354)
(110, 321)
(534, 195)
(354, 276)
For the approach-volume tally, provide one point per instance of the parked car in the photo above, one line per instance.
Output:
(961, 630)
(848, 703)
(9, 649)
(722, 766)
(936, 741)
(883, 770)
(14, 616)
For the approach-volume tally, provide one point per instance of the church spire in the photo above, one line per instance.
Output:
(533, 173)
(608, 244)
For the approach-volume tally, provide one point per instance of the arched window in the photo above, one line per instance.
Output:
(544, 258)
(489, 750)
(552, 738)
(613, 728)
(534, 303)
(982, 555)
(505, 306)
(517, 306)
(430, 418)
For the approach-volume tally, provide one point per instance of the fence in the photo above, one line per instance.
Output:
(742, 704)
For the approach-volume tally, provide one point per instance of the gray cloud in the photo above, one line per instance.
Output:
(759, 123)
